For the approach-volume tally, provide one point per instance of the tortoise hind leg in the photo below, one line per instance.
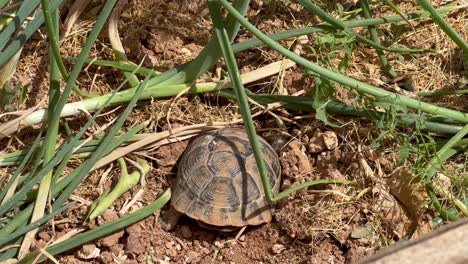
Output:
(169, 219)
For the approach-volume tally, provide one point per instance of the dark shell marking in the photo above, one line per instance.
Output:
(218, 182)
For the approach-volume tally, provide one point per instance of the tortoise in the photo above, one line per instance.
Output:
(218, 182)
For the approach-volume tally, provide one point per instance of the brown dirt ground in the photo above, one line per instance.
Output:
(328, 224)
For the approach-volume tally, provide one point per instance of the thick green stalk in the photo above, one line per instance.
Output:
(340, 25)
(375, 37)
(298, 103)
(442, 93)
(241, 96)
(380, 94)
(233, 70)
(439, 20)
(443, 154)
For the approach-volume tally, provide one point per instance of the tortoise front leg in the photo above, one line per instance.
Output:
(169, 219)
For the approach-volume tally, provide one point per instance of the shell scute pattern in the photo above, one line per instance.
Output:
(218, 182)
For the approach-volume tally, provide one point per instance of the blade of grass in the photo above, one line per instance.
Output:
(149, 93)
(25, 10)
(61, 184)
(230, 60)
(89, 163)
(16, 157)
(61, 153)
(105, 12)
(435, 163)
(443, 154)
(365, 88)
(442, 93)
(33, 225)
(31, 28)
(20, 168)
(52, 125)
(103, 230)
(119, 65)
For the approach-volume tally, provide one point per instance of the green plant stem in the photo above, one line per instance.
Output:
(442, 93)
(103, 230)
(254, 42)
(101, 150)
(340, 25)
(241, 96)
(120, 65)
(444, 213)
(298, 103)
(52, 35)
(448, 150)
(125, 183)
(443, 154)
(439, 20)
(375, 37)
(380, 94)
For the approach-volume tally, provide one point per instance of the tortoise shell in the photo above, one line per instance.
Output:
(218, 182)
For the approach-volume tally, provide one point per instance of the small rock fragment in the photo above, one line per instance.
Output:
(277, 248)
(316, 144)
(162, 261)
(106, 257)
(362, 232)
(44, 236)
(171, 252)
(193, 256)
(205, 251)
(168, 245)
(89, 251)
(442, 181)
(330, 140)
(112, 239)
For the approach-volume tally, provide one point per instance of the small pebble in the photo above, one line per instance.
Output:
(205, 251)
(178, 247)
(168, 245)
(186, 232)
(242, 238)
(192, 255)
(44, 236)
(278, 248)
(171, 252)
